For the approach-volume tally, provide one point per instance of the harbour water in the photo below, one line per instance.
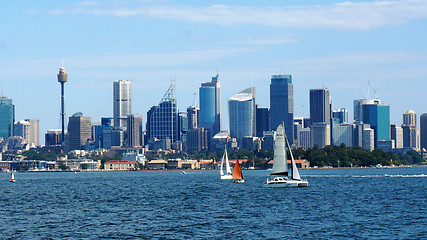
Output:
(338, 204)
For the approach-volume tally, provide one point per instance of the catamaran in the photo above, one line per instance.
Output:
(228, 173)
(280, 165)
(237, 173)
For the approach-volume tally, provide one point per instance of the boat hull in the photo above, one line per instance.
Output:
(283, 182)
(226, 177)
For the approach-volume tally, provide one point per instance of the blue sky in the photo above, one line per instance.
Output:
(335, 44)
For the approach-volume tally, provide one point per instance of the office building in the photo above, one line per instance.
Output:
(53, 137)
(193, 113)
(7, 117)
(122, 102)
(34, 131)
(162, 120)
(197, 139)
(368, 138)
(262, 121)
(22, 129)
(423, 131)
(210, 106)
(304, 138)
(396, 135)
(320, 134)
(358, 107)
(340, 114)
(79, 131)
(320, 106)
(409, 118)
(342, 133)
(134, 130)
(242, 114)
(378, 117)
(282, 103)
(410, 133)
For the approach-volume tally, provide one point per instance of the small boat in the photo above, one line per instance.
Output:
(12, 176)
(280, 165)
(237, 173)
(183, 172)
(228, 173)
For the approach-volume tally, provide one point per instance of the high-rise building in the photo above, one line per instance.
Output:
(342, 133)
(242, 114)
(262, 121)
(134, 130)
(210, 105)
(282, 103)
(304, 138)
(34, 131)
(53, 137)
(378, 117)
(358, 107)
(368, 137)
(62, 78)
(197, 139)
(7, 116)
(320, 134)
(410, 133)
(122, 102)
(162, 120)
(22, 129)
(340, 114)
(79, 131)
(193, 117)
(320, 106)
(182, 128)
(423, 131)
(396, 135)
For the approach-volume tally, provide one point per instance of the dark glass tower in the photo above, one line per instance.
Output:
(423, 131)
(282, 103)
(7, 117)
(320, 107)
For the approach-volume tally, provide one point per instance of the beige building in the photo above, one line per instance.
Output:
(157, 165)
(120, 165)
(79, 131)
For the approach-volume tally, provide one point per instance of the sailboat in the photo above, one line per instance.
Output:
(237, 173)
(12, 176)
(280, 165)
(228, 173)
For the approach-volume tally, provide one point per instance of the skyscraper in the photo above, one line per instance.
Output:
(378, 117)
(162, 120)
(122, 106)
(134, 130)
(262, 121)
(341, 114)
(34, 131)
(410, 133)
(358, 107)
(62, 78)
(22, 129)
(193, 117)
(242, 114)
(210, 105)
(423, 131)
(320, 107)
(409, 118)
(79, 131)
(396, 135)
(282, 103)
(7, 116)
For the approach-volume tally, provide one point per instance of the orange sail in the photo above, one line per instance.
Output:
(237, 171)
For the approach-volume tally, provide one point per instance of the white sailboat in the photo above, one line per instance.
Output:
(228, 173)
(280, 165)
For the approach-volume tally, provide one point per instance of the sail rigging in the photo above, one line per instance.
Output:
(280, 166)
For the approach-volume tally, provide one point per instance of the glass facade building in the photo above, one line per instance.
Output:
(242, 114)
(210, 106)
(282, 103)
(320, 106)
(378, 117)
(122, 106)
(7, 117)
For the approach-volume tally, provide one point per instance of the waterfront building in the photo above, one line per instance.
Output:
(378, 117)
(210, 106)
(320, 134)
(120, 165)
(122, 102)
(242, 114)
(320, 106)
(79, 131)
(282, 103)
(134, 130)
(162, 120)
(423, 131)
(262, 121)
(396, 135)
(7, 116)
(340, 114)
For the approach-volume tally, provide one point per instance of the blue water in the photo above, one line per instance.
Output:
(338, 204)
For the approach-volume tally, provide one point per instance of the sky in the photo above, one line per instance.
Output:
(343, 46)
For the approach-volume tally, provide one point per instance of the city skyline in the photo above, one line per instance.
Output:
(120, 43)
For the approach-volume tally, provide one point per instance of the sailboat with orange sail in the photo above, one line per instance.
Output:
(237, 173)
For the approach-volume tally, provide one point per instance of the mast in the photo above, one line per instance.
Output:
(295, 173)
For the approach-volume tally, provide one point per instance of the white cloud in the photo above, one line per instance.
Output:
(346, 15)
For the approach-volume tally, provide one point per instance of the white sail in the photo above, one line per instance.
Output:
(227, 164)
(295, 173)
(280, 165)
(222, 164)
